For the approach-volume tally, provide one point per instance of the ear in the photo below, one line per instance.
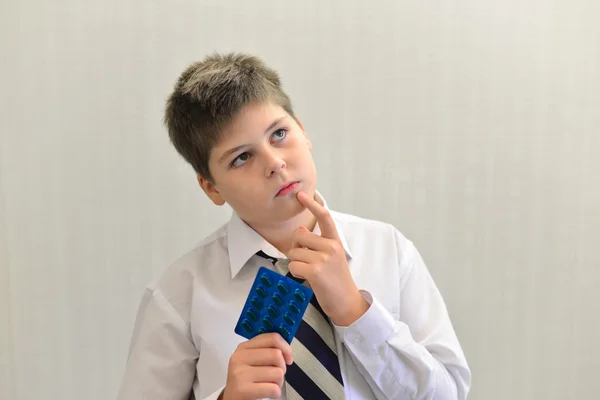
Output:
(308, 142)
(211, 190)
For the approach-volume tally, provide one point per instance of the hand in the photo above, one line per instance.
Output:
(257, 368)
(321, 260)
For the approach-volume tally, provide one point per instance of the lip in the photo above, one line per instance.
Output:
(288, 188)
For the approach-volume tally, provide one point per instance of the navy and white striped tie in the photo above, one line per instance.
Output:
(315, 373)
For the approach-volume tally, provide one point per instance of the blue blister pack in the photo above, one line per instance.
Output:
(275, 303)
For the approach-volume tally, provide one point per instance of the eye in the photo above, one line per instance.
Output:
(278, 135)
(240, 160)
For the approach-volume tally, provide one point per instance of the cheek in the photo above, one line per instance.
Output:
(243, 191)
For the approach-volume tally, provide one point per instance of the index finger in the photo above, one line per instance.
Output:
(328, 229)
(271, 340)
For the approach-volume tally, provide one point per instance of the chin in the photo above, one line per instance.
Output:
(293, 210)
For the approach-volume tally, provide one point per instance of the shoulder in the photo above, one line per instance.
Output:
(372, 233)
(186, 271)
(352, 224)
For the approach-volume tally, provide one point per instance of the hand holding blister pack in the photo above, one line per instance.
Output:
(275, 303)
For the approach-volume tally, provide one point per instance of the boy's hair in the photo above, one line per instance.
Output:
(208, 96)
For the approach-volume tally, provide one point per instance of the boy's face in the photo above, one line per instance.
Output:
(262, 152)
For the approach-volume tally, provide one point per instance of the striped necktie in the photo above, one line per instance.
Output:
(315, 373)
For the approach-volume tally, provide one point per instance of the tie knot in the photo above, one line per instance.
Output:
(281, 265)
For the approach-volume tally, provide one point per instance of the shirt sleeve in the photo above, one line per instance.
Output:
(417, 356)
(162, 357)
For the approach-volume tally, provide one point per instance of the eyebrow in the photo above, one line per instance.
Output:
(238, 148)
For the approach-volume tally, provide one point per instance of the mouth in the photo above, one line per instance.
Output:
(288, 188)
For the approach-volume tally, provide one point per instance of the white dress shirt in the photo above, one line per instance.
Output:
(404, 347)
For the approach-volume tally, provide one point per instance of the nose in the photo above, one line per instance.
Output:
(273, 162)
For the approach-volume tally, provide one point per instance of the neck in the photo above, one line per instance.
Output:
(280, 236)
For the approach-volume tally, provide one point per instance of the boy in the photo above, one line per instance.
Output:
(377, 326)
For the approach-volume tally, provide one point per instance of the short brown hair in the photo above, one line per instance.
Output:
(209, 94)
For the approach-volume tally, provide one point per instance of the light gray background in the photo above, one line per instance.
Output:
(473, 126)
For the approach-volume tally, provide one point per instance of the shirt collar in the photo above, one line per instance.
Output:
(243, 241)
